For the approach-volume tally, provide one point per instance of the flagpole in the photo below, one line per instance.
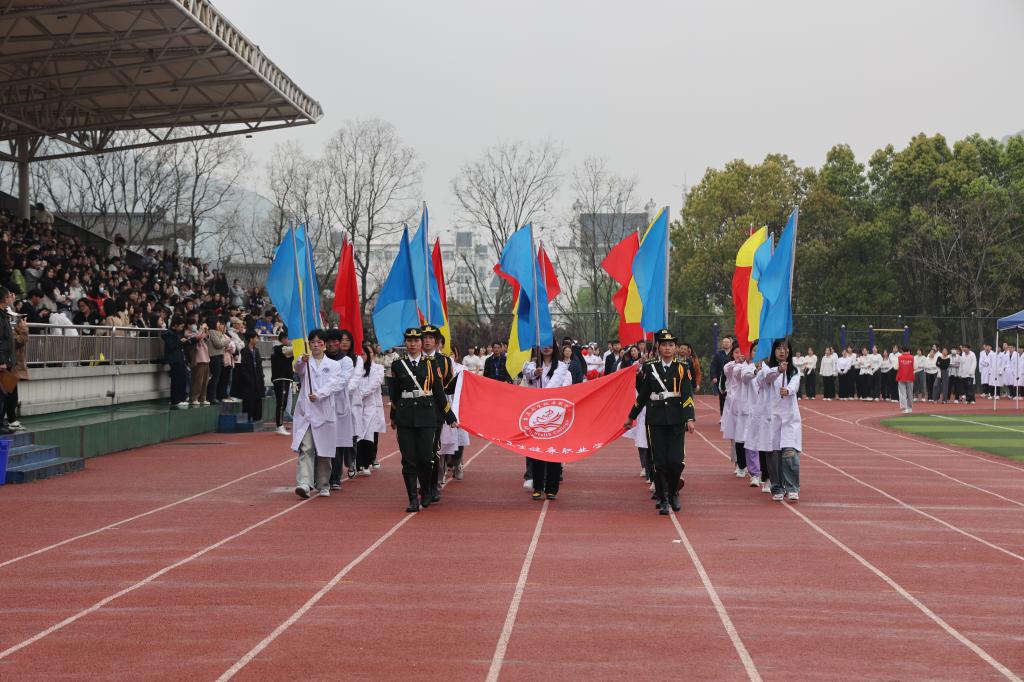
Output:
(426, 261)
(665, 209)
(536, 309)
(298, 280)
(314, 285)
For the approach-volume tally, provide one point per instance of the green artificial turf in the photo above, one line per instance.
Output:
(1000, 434)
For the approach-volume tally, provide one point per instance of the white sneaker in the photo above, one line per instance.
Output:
(325, 492)
(736, 471)
(643, 472)
(182, 405)
(365, 471)
(282, 431)
(741, 473)
(956, 402)
(777, 497)
(376, 465)
(651, 488)
(16, 425)
(766, 487)
(528, 484)
(793, 497)
(205, 403)
(755, 481)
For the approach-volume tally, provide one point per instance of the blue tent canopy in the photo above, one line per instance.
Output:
(1015, 321)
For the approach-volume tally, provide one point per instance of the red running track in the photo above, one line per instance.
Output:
(195, 560)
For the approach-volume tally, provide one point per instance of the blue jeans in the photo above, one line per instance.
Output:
(784, 470)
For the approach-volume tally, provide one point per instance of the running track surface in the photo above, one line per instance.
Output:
(195, 560)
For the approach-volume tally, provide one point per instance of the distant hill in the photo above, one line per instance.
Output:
(1006, 138)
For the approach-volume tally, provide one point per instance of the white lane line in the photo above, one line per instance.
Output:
(142, 583)
(981, 653)
(905, 505)
(921, 441)
(921, 466)
(311, 602)
(914, 509)
(968, 421)
(723, 615)
(513, 608)
(115, 524)
(1006, 672)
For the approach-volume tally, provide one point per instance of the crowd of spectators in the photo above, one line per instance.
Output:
(61, 281)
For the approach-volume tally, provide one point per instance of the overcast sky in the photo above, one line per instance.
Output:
(662, 89)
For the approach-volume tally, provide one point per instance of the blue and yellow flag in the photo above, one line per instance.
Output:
(650, 272)
(292, 283)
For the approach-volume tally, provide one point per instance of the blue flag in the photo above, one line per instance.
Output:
(395, 309)
(776, 286)
(651, 275)
(292, 283)
(428, 298)
(519, 261)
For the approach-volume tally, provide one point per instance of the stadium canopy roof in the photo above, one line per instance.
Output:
(75, 73)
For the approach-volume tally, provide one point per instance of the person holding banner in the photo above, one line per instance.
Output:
(544, 370)
(785, 430)
(313, 421)
(665, 388)
(416, 399)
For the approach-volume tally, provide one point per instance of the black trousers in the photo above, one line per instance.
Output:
(721, 403)
(741, 455)
(929, 382)
(216, 369)
(416, 444)
(280, 400)
(666, 445)
(876, 385)
(829, 386)
(224, 383)
(969, 389)
(11, 405)
(179, 390)
(811, 383)
(546, 476)
(366, 452)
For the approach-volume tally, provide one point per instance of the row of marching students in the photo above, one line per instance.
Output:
(761, 418)
(338, 412)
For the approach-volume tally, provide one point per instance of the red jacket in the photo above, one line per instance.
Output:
(905, 370)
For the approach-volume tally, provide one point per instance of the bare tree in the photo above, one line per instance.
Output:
(205, 176)
(373, 181)
(508, 186)
(603, 212)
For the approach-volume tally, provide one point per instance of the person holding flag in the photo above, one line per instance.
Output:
(416, 399)
(313, 421)
(444, 371)
(664, 387)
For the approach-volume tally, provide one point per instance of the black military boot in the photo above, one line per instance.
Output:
(425, 496)
(410, 489)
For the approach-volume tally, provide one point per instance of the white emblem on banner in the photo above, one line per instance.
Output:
(549, 418)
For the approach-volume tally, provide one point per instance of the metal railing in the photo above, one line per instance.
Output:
(86, 345)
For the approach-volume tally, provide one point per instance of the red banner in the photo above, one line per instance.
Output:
(553, 424)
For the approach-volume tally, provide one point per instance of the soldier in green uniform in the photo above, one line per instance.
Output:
(417, 397)
(665, 387)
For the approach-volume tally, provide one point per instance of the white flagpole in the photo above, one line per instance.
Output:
(533, 273)
(665, 209)
(426, 263)
(298, 281)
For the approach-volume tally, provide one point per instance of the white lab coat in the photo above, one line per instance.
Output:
(985, 365)
(344, 426)
(320, 416)
(560, 377)
(756, 413)
(728, 425)
(968, 365)
(366, 400)
(785, 428)
(452, 438)
(741, 395)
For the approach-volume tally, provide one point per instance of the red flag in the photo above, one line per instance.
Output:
(435, 257)
(619, 265)
(553, 424)
(346, 297)
(548, 272)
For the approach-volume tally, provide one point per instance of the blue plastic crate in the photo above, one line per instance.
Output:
(5, 448)
(226, 423)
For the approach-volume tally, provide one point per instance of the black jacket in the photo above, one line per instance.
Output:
(174, 348)
(717, 366)
(670, 411)
(6, 340)
(280, 365)
(611, 363)
(248, 382)
(494, 368)
(423, 411)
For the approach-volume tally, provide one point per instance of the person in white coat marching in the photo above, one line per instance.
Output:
(453, 439)
(339, 349)
(544, 370)
(729, 410)
(785, 427)
(365, 398)
(313, 420)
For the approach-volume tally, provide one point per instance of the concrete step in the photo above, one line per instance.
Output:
(19, 438)
(31, 454)
(58, 466)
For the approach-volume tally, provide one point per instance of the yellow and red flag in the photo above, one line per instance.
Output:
(619, 265)
(746, 299)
